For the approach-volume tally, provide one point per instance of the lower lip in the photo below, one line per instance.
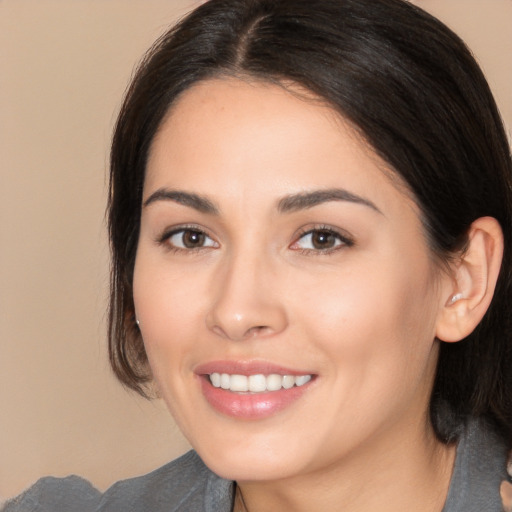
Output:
(250, 406)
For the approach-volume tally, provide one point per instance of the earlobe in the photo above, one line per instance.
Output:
(474, 279)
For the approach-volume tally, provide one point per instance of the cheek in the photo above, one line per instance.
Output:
(375, 317)
(168, 306)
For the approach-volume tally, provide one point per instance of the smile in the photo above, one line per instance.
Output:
(258, 383)
(252, 390)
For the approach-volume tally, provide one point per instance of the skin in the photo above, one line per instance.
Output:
(360, 315)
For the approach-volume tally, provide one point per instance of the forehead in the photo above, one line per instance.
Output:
(249, 105)
(239, 131)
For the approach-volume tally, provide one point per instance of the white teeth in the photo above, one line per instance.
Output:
(288, 381)
(215, 378)
(301, 380)
(274, 382)
(239, 383)
(257, 383)
(225, 381)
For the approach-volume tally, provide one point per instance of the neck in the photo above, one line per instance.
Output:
(413, 475)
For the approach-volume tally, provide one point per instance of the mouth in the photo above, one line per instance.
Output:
(251, 390)
(257, 383)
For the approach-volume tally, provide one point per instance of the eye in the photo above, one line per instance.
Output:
(321, 239)
(186, 238)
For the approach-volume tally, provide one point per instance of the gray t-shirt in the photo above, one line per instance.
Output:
(187, 485)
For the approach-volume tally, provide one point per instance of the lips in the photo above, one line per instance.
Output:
(251, 390)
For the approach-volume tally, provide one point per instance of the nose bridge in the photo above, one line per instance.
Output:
(247, 301)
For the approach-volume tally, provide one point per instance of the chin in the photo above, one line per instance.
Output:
(249, 457)
(246, 467)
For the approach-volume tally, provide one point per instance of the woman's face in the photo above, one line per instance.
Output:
(276, 259)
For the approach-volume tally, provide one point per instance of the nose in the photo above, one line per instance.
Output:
(247, 300)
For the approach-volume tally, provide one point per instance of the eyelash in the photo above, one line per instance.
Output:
(164, 239)
(342, 240)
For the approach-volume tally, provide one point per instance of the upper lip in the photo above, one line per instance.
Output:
(244, 367)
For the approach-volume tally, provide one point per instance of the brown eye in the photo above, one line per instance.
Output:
(190, 239)
(323, 240)
(193, 239)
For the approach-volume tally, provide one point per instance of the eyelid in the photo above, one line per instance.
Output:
(168, 232)
(342, 235)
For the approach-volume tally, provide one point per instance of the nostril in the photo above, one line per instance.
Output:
(252, 332)
(241, 320)
(219, 332)
(257, 330)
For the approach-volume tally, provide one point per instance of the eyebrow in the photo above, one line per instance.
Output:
(200, 203)
(288, 204)
(307, 200)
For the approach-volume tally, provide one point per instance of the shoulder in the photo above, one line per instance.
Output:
(73, 494)
(480, 468)
(185, 484)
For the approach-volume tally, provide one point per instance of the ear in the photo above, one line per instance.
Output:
(468, 294)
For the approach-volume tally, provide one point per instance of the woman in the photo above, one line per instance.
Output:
(310, 218)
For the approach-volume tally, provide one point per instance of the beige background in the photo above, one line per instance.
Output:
(63, 67)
